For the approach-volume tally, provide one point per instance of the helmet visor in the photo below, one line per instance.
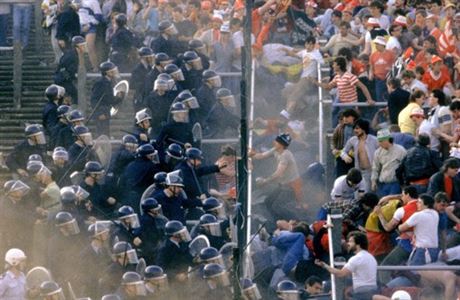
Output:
(131, 257)
(61, 155)
(191, 103)
(214, 229)
(228, 101)
(220, 280)
(87, 138)
(161, 86)
(19, 187)
(184, 235)
(136, 288)
(216, 81)
(131, 220)
(80, 192)
(70, 227)
(180, 116)
(197, 64)
(178, 75)
(160, 283)
(252, 293)
(38, 138)
(218, 211)
(288, 295)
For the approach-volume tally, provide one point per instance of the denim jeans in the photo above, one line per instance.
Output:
(3, 29)
(294, 245)
(418, 256)
(21, 23)
(381, 92)
(385, 189)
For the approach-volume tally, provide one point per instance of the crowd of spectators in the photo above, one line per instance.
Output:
(397, 159)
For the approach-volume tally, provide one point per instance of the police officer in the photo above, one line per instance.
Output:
(35, 143)
(249, 289)
(192, 68)
(178, 130)
(176, 75)
(138, 74)
(172, 199)
(142, 129)
(15, 220)
(159, 102)
(93, 259)
(210, 227)
(218, 281)
(102, 97)
(159, 181)
(65, 136)
(206, 94)
(161, 60)
(74, 199)
(68, 67)
(167, 41)
(199, 47)
(156, 282)
(121, 158)
(101, 195)
(13, 281)
(127, 228)
(121, 43)
(61, 113)
(81, 150)
(152, 228)
(172, 157)
(49, 115)
(192, 171)
(174, 256)
(60, 166)
(191, 103)
(222, 116)
(67, 240)
(132, 286)
(138, 175)
(287, 289)
(124, 258)
(50, 290)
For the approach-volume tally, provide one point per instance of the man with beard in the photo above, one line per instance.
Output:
(102, 97)
(362, 266)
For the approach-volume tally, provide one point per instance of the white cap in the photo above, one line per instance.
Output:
(380, 40)
(401, 295)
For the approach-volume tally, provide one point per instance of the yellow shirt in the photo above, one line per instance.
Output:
(405, 122)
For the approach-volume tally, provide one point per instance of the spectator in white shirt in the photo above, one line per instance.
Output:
(425, 225)
(362, 267)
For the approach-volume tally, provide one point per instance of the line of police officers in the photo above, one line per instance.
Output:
(80, 218)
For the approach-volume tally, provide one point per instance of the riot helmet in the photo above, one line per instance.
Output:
(124, 253)
(155, 276)
(130, 142)
(133, 284)
(150, 205)
(188, 99)
(159, 179)
(66, 223)
(216, 276)
(147, 151)
(175, 72)
(212, 78)
(211, 255)
(83, 134)
(177, 230)
(287, 290)
(128, 217)
(179, 113)
(250, 290)
(35, 134)
(210, 225)
(193, 60)
(50, 290)
(213, 206)
(225, 97)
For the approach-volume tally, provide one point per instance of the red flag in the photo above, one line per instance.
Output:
(446, 41)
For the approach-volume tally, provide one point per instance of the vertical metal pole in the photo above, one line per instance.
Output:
(81, 83)
(321, 118)
(17, 74)
(242, 225)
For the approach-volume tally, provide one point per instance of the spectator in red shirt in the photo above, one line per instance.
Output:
(380, 63)
(437, 77)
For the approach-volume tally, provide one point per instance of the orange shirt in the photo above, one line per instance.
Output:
(436, 82)
(381, 63)
(448, 186)
(256, 22)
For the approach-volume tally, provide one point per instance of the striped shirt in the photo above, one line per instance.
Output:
(346, 87)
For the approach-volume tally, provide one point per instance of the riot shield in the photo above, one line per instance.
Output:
(36, 276)
(198, 243)
(197, 135)
(103, 149)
